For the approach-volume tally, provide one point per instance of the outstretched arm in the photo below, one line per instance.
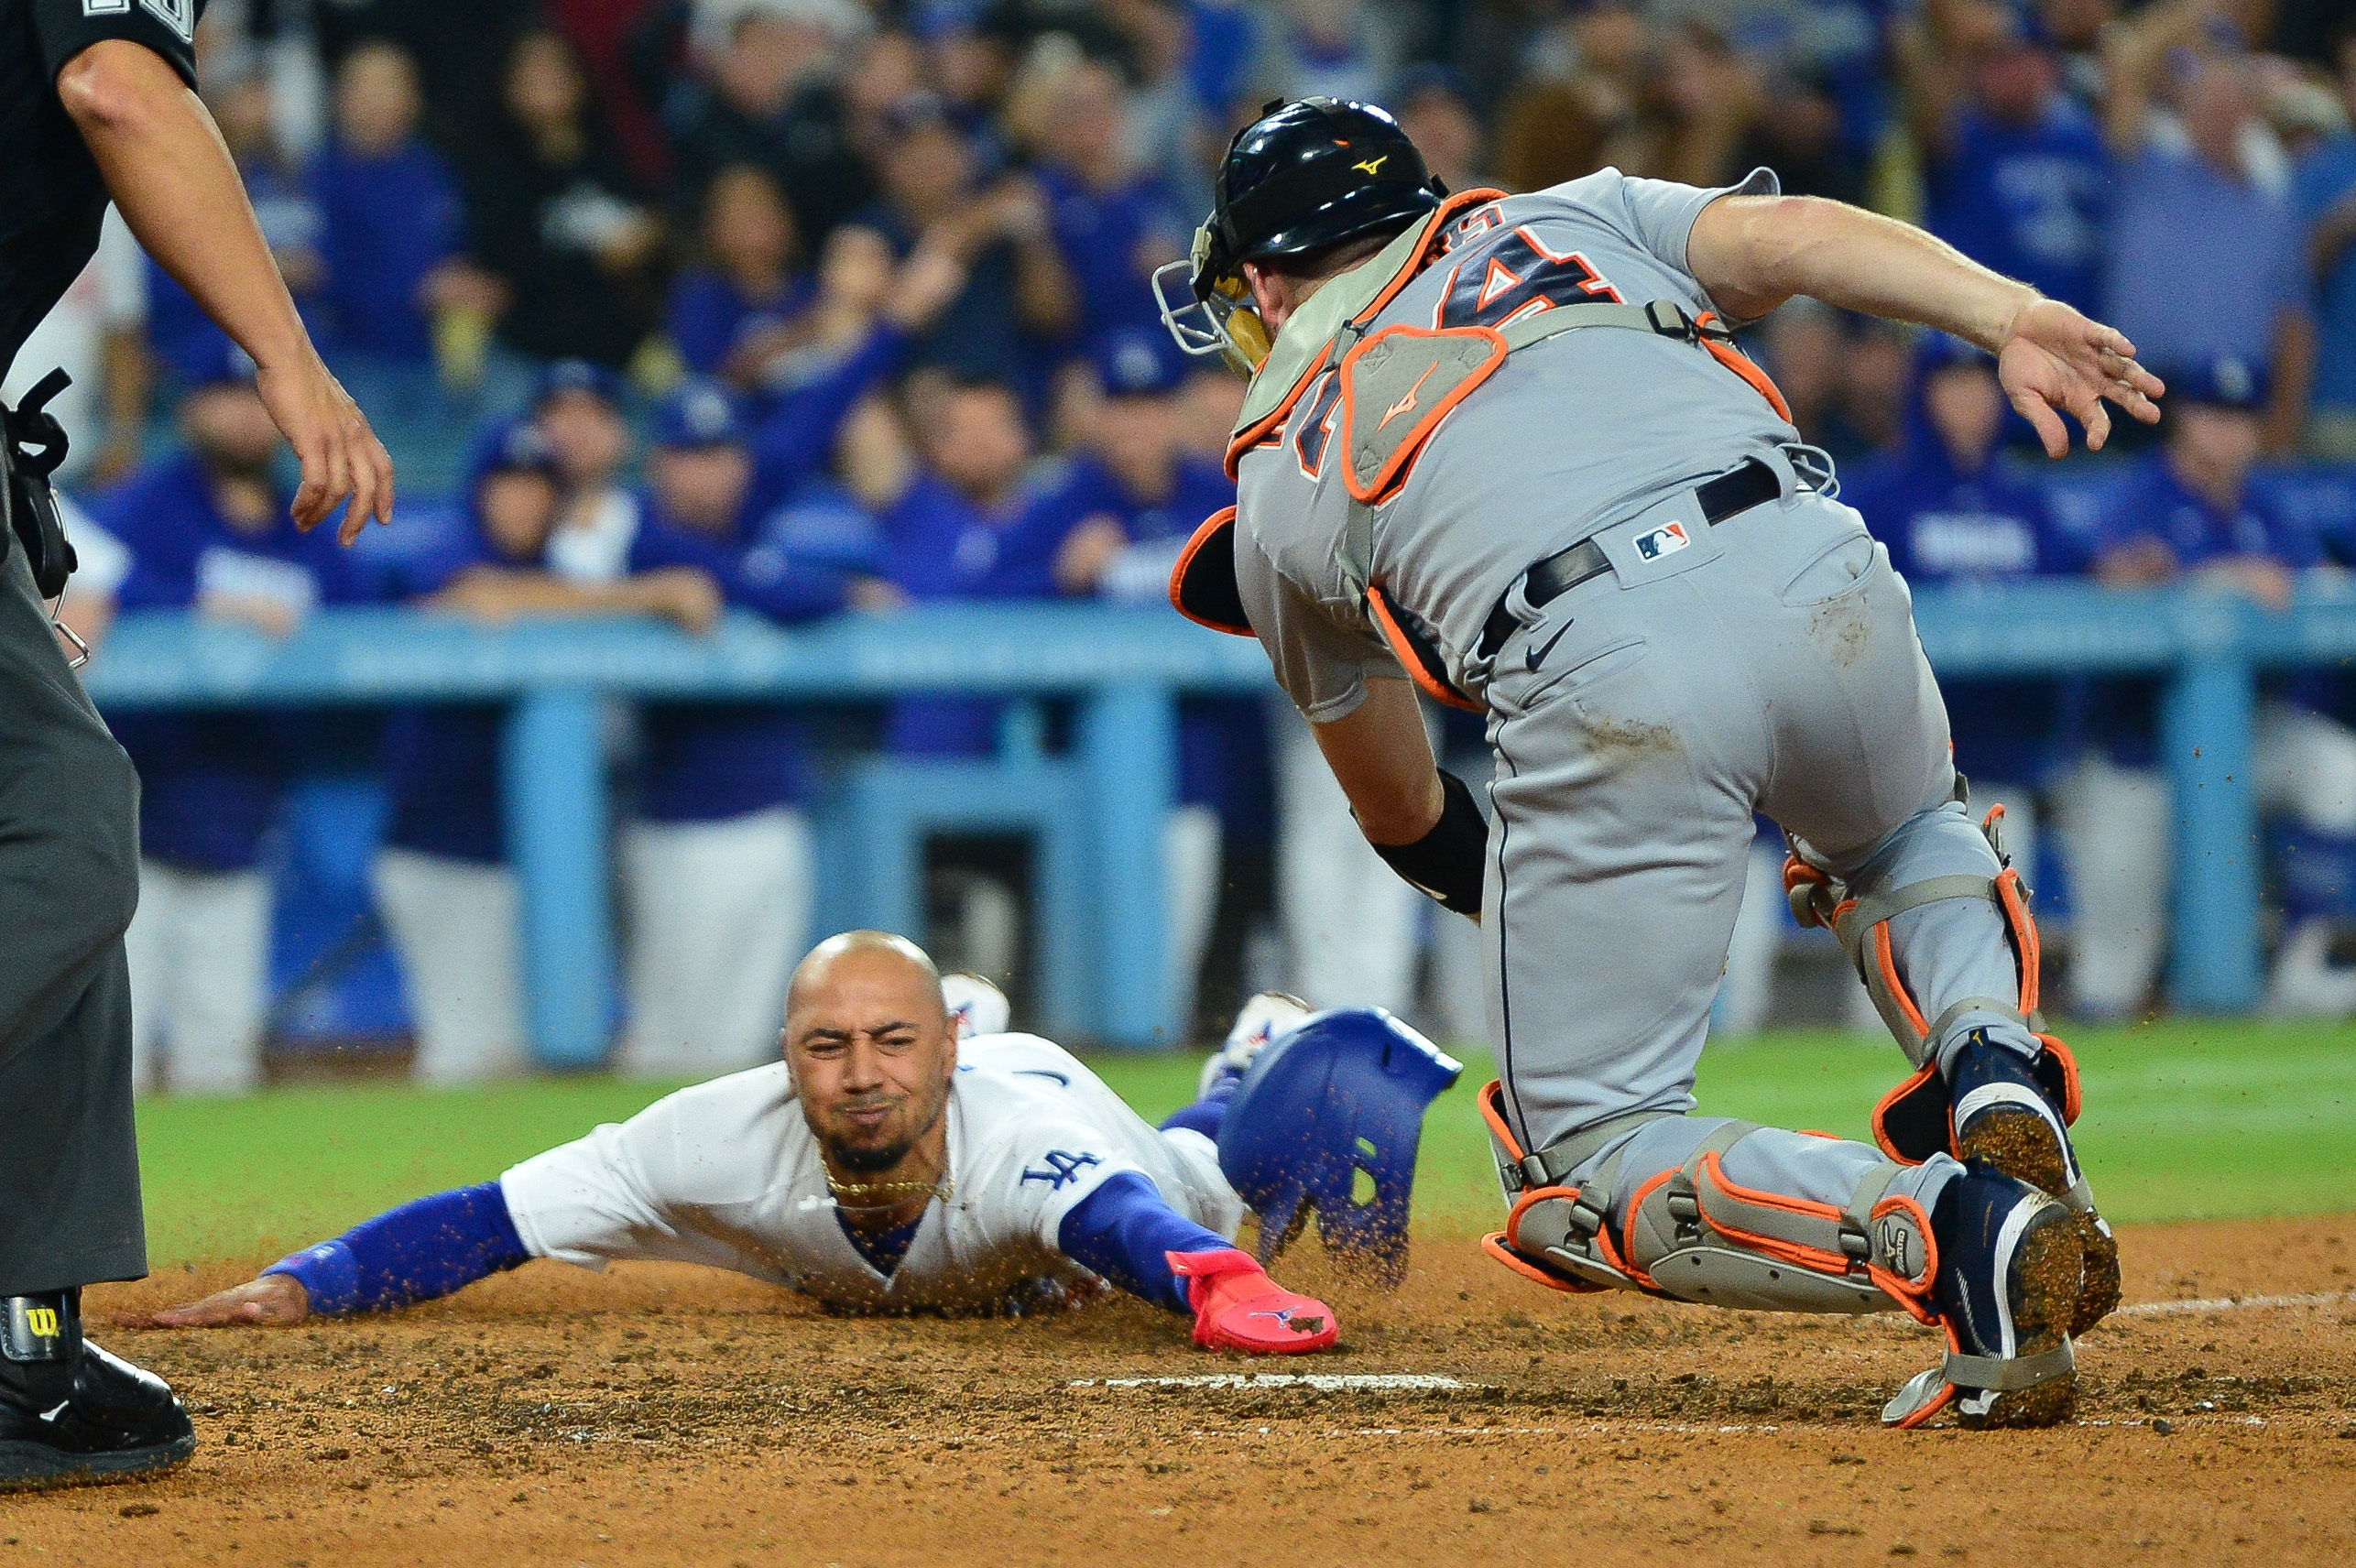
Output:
(171, 175)
(416, 1253)
(1126, 1232)
(1752, 253)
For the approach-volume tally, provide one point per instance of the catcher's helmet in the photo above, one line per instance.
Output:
(1304, 177)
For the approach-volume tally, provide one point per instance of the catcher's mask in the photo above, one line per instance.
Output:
(1304, 177)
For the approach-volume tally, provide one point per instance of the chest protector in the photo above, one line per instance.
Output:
(1397, 383)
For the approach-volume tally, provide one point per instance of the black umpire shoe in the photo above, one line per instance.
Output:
(72, 1415)
(2008, 1117)
(2009, 1275)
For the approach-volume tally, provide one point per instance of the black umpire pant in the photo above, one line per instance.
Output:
(69, 1209)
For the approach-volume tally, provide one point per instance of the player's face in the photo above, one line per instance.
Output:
(230, 426)
(586, 434)
(703, 486)
(871, 1052)
(519, 511)
(1966, 407)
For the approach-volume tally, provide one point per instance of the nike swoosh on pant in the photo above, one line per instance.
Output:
(1536, 653)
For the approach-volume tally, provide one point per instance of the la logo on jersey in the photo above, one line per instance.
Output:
(1662, 541)
(1061, 1168)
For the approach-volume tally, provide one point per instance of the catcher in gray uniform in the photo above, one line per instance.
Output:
(1503, 448)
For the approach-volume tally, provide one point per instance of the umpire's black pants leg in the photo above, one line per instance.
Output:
(69, 880)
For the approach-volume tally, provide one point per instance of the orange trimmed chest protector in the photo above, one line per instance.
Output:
(1397, 384)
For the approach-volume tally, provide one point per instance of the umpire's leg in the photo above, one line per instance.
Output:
(68, 881)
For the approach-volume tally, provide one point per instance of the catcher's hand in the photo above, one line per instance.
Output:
(274, 1299)
(1238, 1307)
(2056, 358)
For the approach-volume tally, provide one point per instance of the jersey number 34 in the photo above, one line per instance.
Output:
(1517, 276)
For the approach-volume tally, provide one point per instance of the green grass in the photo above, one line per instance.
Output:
(2194, 1119)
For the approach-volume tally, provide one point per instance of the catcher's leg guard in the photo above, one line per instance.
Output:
(1974, 970)
(1989, 1085)
(1688, 1230)
(2009, 1280)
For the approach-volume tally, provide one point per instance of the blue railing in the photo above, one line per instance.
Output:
(1124, 670)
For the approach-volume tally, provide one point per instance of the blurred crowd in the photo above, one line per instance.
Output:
(813, 307)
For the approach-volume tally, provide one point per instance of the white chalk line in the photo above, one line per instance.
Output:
(1321, 1382)
(2232, 1303)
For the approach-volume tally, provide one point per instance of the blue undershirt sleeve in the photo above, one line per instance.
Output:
(1122, 1231)
(1205, 1115)
(415, 1253)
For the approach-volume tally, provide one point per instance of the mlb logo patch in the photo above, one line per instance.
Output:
(1662, 541)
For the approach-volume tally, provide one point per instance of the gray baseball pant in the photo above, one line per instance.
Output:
(68, 881)
(1639, 720)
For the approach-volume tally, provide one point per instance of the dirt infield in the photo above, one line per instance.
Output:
(665, 1415)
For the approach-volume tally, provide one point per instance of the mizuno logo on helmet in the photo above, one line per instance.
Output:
(1373, 166)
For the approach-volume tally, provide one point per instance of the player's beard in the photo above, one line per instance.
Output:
(852, 1160)
(874, 1160)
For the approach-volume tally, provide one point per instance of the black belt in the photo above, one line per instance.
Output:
(1550, 579)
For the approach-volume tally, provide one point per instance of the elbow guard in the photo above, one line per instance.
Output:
(1452, 860)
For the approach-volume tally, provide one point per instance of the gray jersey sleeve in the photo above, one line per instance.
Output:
(1322, 653)
(1661, 213)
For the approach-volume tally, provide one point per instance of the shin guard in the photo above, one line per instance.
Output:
(1862, 927)
(1693, 1233)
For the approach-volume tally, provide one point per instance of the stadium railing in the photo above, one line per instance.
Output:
(1124, 670)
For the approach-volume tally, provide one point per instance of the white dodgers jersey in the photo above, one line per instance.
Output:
(726, 1173)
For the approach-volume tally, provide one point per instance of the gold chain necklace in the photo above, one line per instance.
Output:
(899, 1192)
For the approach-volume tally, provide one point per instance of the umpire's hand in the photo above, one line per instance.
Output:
(342, 457)
(171, 175)
(273, 1300)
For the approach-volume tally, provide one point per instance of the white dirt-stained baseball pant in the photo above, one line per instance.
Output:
(1350, 923)
(453, 925)
(2118, 829)
(1640, 720)
(719, 914)
(1192, 846)
(200, 958)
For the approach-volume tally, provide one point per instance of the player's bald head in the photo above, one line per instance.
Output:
(869, 1047)
(867, 958)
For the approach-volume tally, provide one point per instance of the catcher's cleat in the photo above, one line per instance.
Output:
(72, 1415)
(2009, 1119)
(2009, 1276)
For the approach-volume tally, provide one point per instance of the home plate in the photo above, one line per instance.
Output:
(1321, 1382)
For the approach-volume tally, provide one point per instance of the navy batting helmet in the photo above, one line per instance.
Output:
(1304, 177)
(1330, 1117)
